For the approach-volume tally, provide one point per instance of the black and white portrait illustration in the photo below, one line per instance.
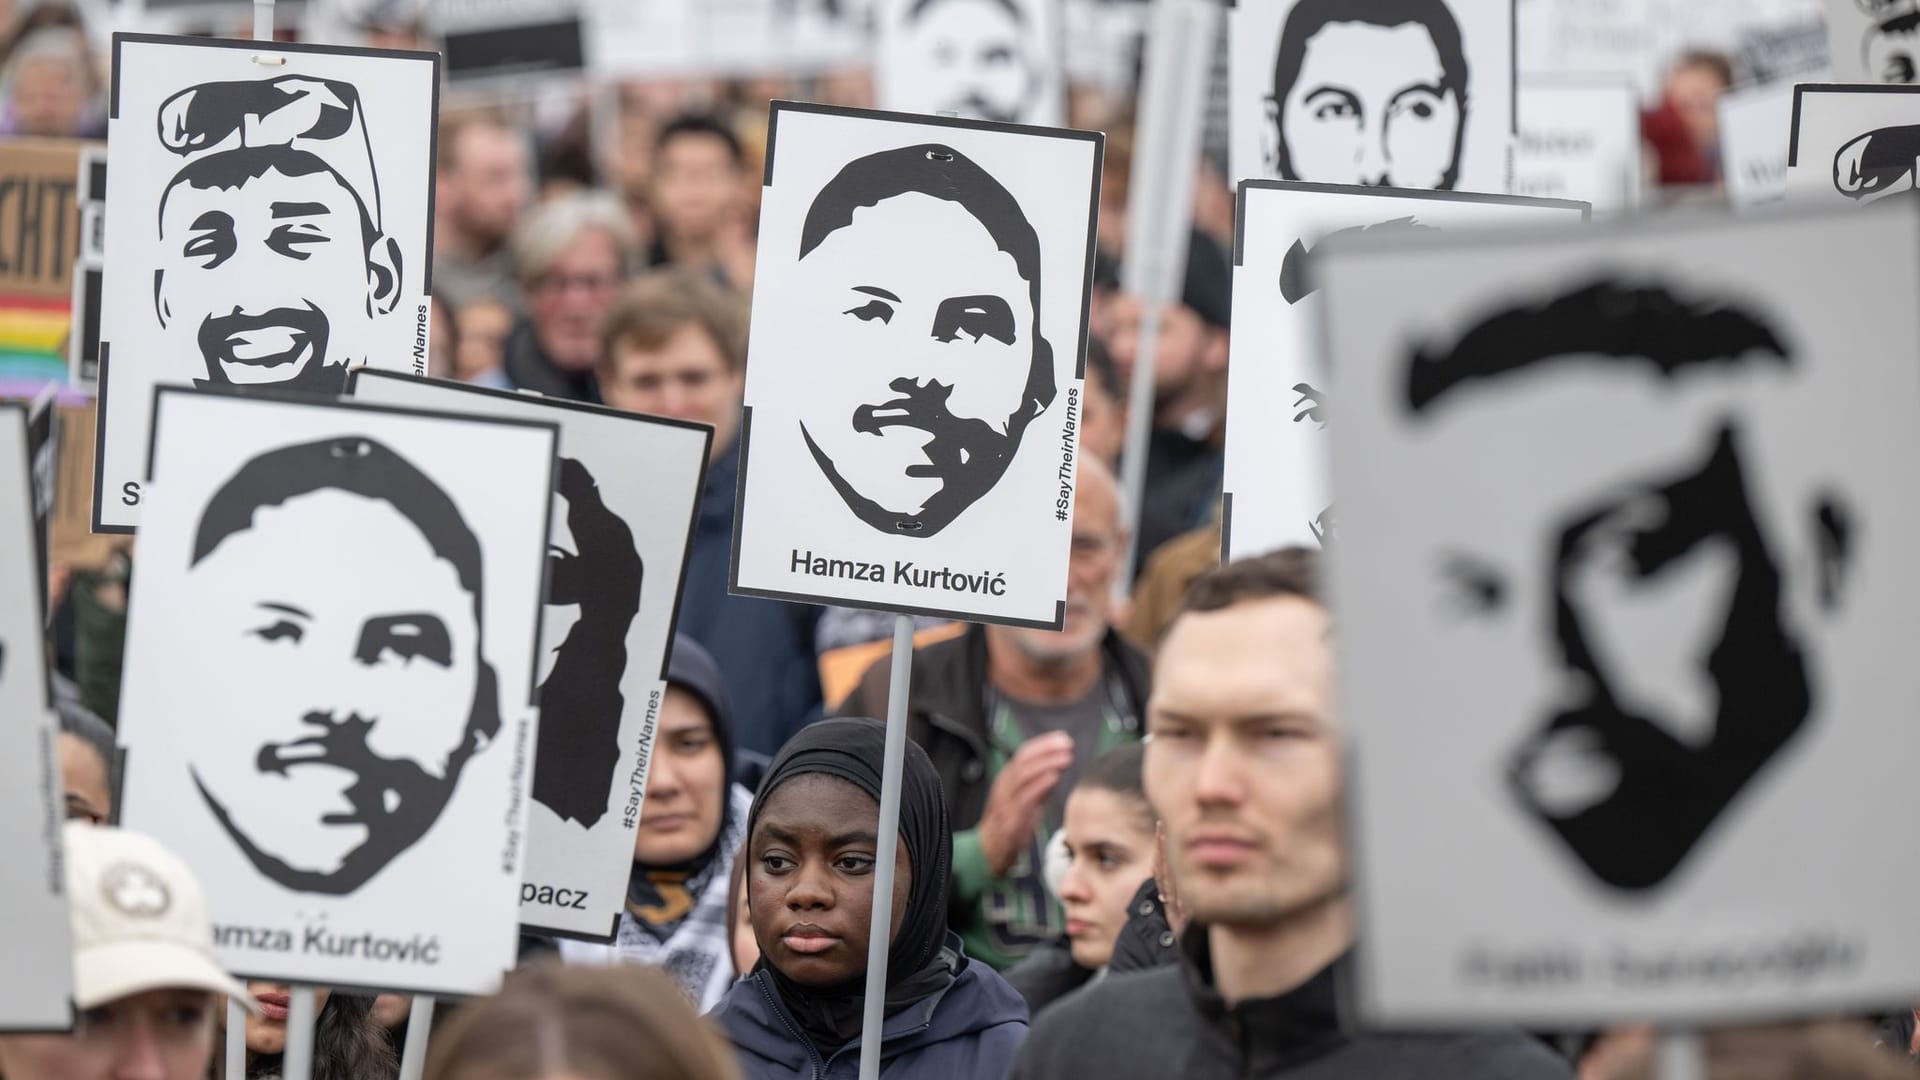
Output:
(1874, 41)
(1280, 390)
(273, 226)
(615, 557)
(936, 271)
(717, 38)
(1648, 521)
(1386, 93)
(337, 701)
(34, 934)
(979, 59)
(1853, 143)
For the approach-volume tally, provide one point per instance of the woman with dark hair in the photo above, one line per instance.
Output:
(811, 845)
(1105, 852)
(557, 1023)
(347, 1044)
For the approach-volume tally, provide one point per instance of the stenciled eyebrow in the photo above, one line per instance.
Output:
(1427, 88)
(299, 209)
(875, 290)
(1331, 89)
(288, 609)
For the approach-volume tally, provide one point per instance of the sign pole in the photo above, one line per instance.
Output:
(1173, 94)
(413, 1056)
(263, 20)
(878, 940)
(236, 1041)
(1681, 1056)
(298, 1062)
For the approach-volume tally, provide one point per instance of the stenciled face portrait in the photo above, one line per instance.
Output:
(1892, 48)
(273, 264)
(593, 594)
(1640, 745)
(351, 690)
(921, 282)
(1371, 93)
(980, 55)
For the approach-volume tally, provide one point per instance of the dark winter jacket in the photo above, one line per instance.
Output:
(527, 367)
(947, 711)
(973, 1028)
(764, 647)
(1169, 1022)
(1047, 974)
(1147, 940)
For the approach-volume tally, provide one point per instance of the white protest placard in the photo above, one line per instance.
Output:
(1766, 39)
(1853, 143)
(744, 38)
(913, 378)
(1276, 483)
(89, 268)
(1388, 93)
(1627, 517)
(1874, 41)
(495, 40)
(627, 489)
(275, 205)
(1756, 126)
(329, 707)
(1579, 139)
(980, 59)
(37, 994)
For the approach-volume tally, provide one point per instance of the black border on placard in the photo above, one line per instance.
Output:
(1800, 90)
(275, 396)
(1433, 194)
(612, 934)
(733, 571)
(1226, 525)
(1099, 141)
(113, 113)
(543, 401)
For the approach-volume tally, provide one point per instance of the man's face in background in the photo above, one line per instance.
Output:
(923, 334)
(570, 301)
(976, 51)
(271, 281)
(336, 697)
(491, 185)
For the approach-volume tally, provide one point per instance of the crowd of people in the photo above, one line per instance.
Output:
(1120, 848)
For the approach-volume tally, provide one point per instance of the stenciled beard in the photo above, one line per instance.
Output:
(966, 454)
(309, 333)
(396, 799)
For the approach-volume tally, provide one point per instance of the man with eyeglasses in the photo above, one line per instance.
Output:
(571, 255)
(1010, 716)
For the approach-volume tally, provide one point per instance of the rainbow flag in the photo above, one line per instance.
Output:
(33, 338)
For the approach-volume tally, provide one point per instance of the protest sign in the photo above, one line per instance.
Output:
(740, 38)
(979, 59)
(37, 994)
(83, 340)
(510, 39)
(1579, 139)
(1765, 39)
(329, 700)
(276, 222)
(1423, 98)
(913, 380)
(627, 489)
(1276, 483)
(39, 239)
(1626, 516)
(1756, 125)
(1874, 41)
(1853, 143)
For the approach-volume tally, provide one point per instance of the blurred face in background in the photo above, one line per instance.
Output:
(1109, 853)
(685, 377)
(571, 299)
(158, 1035)
(491, 185)
(1694, 90)
(696, 188)
(51, 91)
(686, 785)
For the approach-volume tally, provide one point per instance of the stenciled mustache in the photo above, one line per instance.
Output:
(957, 441)
(980, 108)
(217, 331)
(342, 743)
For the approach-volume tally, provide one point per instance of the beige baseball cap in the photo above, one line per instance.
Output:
(139, 920)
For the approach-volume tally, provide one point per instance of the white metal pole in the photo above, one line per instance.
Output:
(263, 20)
(878, 939)
(297, 1062)
(1681, 1056)
(236, 1040)
(1180, 40)
(413, 1057)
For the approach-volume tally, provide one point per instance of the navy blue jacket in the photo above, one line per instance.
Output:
(974, 1028)
(764, 647)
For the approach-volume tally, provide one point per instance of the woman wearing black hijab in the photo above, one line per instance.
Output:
(811, 851)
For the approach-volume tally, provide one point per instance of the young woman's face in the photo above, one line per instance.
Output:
(810, 884)
(1110, 852)
(267, 1029)
(158, 1035)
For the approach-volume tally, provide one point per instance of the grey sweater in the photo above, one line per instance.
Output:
(1169, 1022)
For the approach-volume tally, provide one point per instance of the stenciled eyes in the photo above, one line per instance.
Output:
(1473, 586)
(972, 317)
(871, 310)
(280, 631)
(293, 240)
(402, 638)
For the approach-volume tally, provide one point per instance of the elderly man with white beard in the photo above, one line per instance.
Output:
(1010, 716)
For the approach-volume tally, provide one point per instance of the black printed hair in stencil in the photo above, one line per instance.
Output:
(973, 455)
(1297, 279)
(1878, 162)
(1012, 9)
(230, 169)
(1309, 17)
(578, 749)
(362, 466)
